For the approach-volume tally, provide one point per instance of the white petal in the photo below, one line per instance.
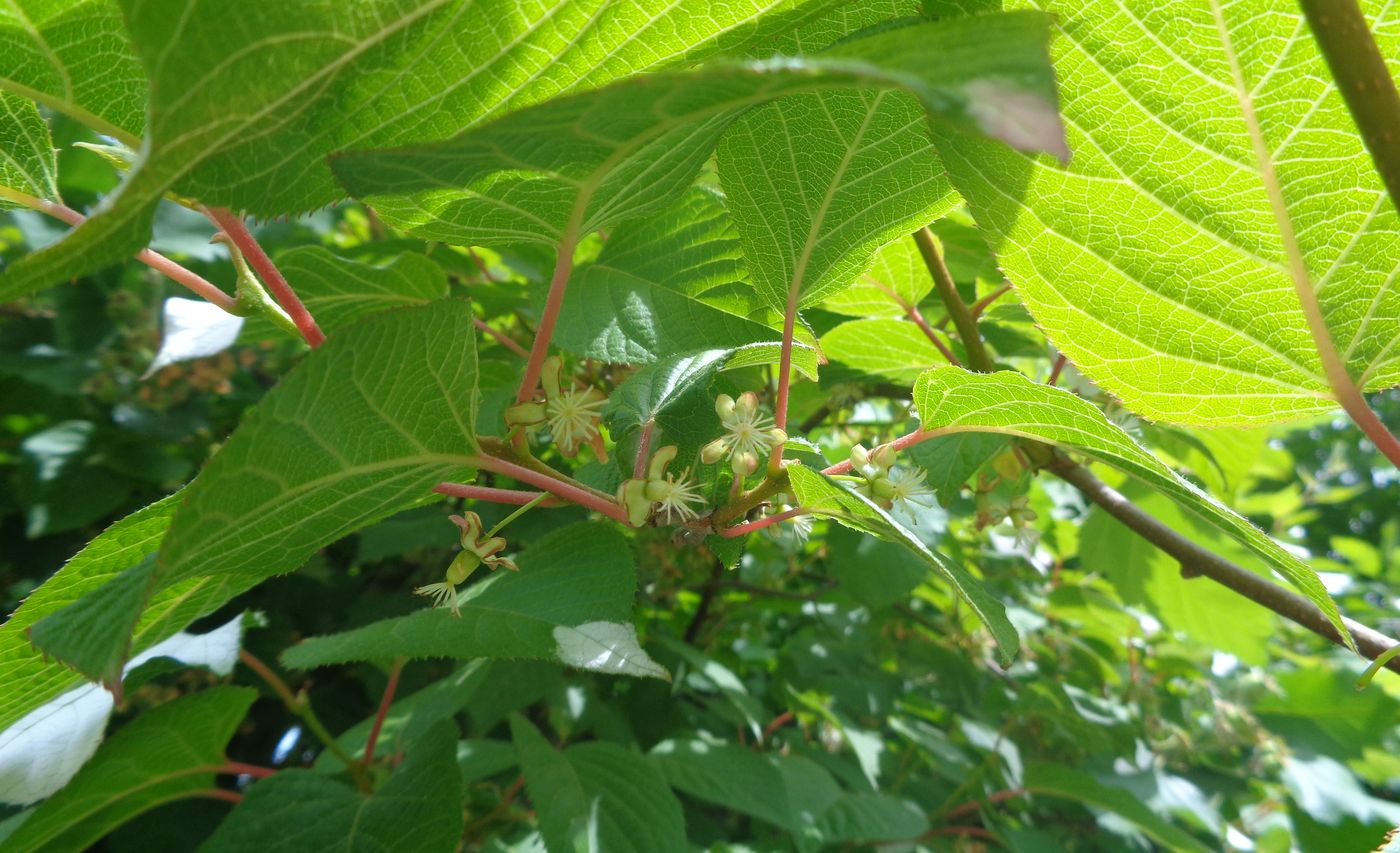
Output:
(193, 329)
(42, 751)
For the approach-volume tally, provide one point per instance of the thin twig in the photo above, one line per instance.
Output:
(767, 521)
(918, 319)
(974, 805)
(238, 768)
(272, 277)
(218, 794)
(500, 337)
(384, 702)
(196, 283)
(1060, 362)
(567, 491)
(963, 320)
(487, 493)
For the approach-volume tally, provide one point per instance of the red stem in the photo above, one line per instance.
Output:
(960, 830)
(500, 338)
(384, 702)
(898, 444)
(780, 408)
(778, 722)
(767, 521)
(567, 491)
(1055, 373)
(563, 267)
(928, 331)
(271, 276)
(238, 768)
(974, 805)
(513, 497)
(218, 794)
(481, 265)
(982, 304)
(639, 467)
(196, 283)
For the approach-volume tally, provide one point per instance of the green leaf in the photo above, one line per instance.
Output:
(650, 293)
(576, 164)
(74, 56)
(361, 429)
(37, 680)
(597, 796)
(164, 754)
(823, 496)
(950, 400)
(579, 574)
(339, 291)
(419, 810)
(950, 461)
(790, 792)
(897, 278)
(818, 182)
(896, 349)
(93, 635)
(1059, 781)
(27, 163)
(1154, 261)
(248, 99)
(871, 570)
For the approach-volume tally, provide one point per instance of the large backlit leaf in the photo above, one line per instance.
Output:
(950, 400)
(1153, 259)
(657, 287)
(339, 291)
(897, 349)
(249, 98)
(74, 56)
(576, 164)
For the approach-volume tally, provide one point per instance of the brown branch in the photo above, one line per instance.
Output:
(1198, 561)
(966, 324)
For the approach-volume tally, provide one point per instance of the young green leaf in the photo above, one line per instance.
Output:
(1154, 260)
(571, 577)
(27, 163)
(93, 634)
(895, 349)
(818, 182)
(74, 56)
(950, 400)
(164, 754)
(897, 278)
(419, 810)
(576, 164)
(657, 288)
(339, 291)
(823, 496)
(597, 796)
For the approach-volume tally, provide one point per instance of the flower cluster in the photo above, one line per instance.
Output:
(749, 435)
(476, 549)
(572, 413)
(887, 485)
(670, 496)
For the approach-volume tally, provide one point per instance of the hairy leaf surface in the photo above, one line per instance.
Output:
(1153, 259)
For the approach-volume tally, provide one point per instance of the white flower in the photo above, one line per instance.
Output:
(907, 486)
(673, 498)
(749, 435)
(572, 413)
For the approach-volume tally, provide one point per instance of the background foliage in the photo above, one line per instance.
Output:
(818, 687)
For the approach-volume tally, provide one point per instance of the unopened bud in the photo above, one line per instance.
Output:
(743, 464)
(713, 452)
(883, 457)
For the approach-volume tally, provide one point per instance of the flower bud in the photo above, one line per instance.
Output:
(724, 407)
(743, 464)
(860, 457)
(525, 414)
(883, 457)
(777, 436)
(713, 452)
